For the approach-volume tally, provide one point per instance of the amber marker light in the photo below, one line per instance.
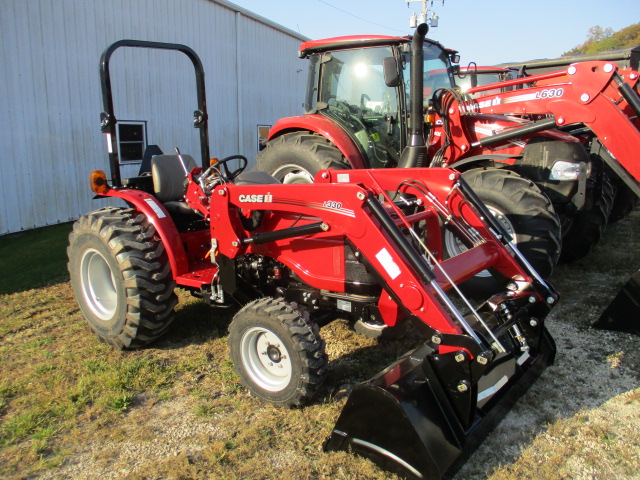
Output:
(98, 180)
(213, 161)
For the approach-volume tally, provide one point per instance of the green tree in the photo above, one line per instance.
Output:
(603, 39)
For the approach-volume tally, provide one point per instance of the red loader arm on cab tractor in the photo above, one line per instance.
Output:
(593, 100)
(592, 94)
(362, 243)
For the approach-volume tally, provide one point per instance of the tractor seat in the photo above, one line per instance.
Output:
(169, 181)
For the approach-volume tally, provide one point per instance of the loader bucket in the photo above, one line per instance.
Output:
(623, 312)
(409, 419)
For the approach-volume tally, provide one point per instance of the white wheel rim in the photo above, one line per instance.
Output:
(454, 246)
(291, 173)
(265, 359)
(98, 285)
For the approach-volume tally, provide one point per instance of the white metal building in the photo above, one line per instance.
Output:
(50, 100)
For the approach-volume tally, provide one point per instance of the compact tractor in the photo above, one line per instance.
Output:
(355, 244)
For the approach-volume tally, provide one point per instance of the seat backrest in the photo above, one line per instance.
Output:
(168, 175)
(149, 152)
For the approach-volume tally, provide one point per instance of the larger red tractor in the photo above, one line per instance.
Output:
(354, 244)
(367, 97)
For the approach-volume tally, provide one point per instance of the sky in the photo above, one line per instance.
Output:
(490, 32)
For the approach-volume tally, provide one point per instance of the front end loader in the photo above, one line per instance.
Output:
(357, 244)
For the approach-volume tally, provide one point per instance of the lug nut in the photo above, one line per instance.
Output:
(436, 339)
(360, 195)
(459, 357)
(532, 299)
(551, 300)
(533, 322)
(463, 387)
(482, 360)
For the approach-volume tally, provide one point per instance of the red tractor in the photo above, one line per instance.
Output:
(355, 244)
(358, 110)
(359, 107)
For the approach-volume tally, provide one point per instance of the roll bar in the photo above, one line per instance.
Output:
(108, 119)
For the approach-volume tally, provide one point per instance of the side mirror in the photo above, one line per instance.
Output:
(391, 71)
(473, 79)
(455, 58)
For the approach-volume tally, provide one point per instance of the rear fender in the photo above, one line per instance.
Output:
(325, 127)
(149, 206)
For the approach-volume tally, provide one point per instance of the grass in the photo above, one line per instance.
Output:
(177, 409)
(33, 259)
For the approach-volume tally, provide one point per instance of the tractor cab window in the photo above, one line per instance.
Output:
(438, 72)
(353, 93)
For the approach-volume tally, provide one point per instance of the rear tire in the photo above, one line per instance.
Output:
(624, 201)
(297, 157)
(276, 353)
(518, 202)
(121, 277)
(588, 226)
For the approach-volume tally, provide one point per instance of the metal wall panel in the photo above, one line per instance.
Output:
(50, 98)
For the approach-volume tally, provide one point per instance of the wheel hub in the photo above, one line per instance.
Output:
(454, 246)
(290, 173)
(266, 359)
(98, 285)
(274, 354)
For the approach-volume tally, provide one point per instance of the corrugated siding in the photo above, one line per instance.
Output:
(50, 98)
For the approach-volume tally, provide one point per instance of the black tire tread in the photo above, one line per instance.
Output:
(145, 271)
(589, 226)
(289, 148)
(542, 249)
(309, 346)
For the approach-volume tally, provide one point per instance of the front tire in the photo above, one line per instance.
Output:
(297, 157)
(276, 353)
(121, 277)
(520, 205)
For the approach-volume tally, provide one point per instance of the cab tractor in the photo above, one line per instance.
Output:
(355, 244)
(358, 110)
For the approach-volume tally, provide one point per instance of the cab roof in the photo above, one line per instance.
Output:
(357, 41)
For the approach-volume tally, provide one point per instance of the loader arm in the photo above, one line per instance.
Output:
(589, 93)
(305, 227)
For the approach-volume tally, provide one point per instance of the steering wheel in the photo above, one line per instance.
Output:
(231, 174)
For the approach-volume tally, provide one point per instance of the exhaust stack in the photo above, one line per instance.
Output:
(415, 153)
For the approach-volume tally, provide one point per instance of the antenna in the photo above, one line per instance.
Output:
(416, 20)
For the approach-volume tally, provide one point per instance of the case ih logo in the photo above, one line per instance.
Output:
(256, 198)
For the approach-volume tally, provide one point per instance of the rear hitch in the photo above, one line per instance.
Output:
(426, 413)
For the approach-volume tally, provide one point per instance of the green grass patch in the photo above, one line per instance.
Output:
(33, 258)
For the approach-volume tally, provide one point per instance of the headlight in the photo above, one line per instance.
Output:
(565, 171)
